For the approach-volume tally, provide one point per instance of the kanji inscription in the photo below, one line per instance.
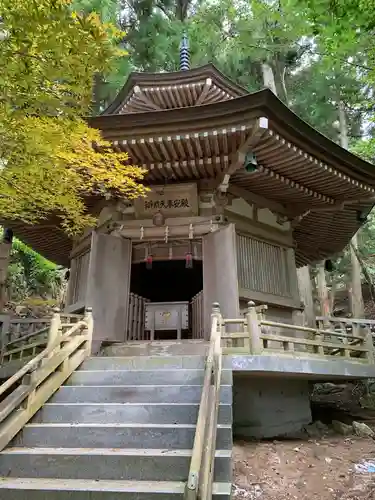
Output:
(160, 204)
(173, 200)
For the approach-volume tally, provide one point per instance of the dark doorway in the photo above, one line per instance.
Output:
(167, 280)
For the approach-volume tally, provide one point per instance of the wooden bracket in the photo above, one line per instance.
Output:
(237, 160)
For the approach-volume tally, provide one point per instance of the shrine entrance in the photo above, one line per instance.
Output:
(167, 281)
(166, 289)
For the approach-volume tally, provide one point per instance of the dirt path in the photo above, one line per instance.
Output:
(320, 469)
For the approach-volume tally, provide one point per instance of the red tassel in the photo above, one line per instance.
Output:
(188, 261)
(149, 262)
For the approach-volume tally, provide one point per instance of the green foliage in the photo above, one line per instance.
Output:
(321, 53)
(31, 275)
(345, 31)
(50, 55)
(365, 148)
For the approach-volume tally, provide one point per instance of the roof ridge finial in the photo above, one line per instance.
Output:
(184, 53)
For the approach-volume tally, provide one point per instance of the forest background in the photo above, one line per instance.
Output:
(318, 56)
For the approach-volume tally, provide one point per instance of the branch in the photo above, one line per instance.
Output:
(320, 53)
(26, 54)
(364, 270)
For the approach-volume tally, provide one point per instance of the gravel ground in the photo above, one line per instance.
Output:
(321, 469)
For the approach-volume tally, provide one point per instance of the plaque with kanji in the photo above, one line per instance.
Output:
(172, 200)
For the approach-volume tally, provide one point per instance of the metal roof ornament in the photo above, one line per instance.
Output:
(184, 53)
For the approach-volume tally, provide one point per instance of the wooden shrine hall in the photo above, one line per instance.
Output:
(242, 193)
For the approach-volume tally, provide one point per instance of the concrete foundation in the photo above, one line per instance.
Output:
(269, 407)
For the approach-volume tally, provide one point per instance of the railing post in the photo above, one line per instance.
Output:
(369, 343)
(5, 328)
(216, 313)
(89, 320)
(319, 338)
(254, 329)
(55, 331)
(215, 309)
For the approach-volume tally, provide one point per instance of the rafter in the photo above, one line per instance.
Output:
(238, 159)
(204, 92)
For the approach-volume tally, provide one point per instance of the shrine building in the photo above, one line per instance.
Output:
(242, 192)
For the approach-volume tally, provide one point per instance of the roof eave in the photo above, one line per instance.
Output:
(172, 78)
(221, 114)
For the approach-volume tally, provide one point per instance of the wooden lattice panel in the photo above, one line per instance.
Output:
(262, 267)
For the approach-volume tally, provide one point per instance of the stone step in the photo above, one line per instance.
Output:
(144, 377)
(135, 394)
(157, 348)
(126, 413)
(106, 464)
(148, 363)
(72, 489)
(161, 436)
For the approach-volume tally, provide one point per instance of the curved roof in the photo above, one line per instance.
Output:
(196, 124)
(225, 114)
(157, 91)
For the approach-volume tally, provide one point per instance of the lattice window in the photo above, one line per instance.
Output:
(262, 267)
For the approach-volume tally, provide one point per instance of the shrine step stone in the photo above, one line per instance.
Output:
(120, 427)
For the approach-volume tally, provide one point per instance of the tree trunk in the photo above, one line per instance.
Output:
(322, 290)
(303, 273)
(332, 295)
(279, 77)
(268, 77)
(365, 272)
(5, 249)
(306, 294)
(356, 297)
(344, 141)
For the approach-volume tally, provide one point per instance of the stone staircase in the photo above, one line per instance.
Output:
(121, 427)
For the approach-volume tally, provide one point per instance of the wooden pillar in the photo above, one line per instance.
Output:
(220, 280)
(108, 285)
(306, 294)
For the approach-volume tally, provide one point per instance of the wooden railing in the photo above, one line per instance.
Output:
(23, 394)
(136, 318)
(15, 328)
(260, 336)
(347, 324)
(201, 471)
(26, 337)
(197, 316)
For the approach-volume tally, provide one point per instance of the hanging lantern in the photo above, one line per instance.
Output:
(149, 262)
(188, 261)
(148, 258)
(189, 258)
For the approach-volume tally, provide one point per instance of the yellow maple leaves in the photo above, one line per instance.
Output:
(54, 163)
(49, 158)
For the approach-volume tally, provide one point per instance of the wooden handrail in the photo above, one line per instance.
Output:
(356, 345)
(201, 471)
(43, 375)
(315, 331)
(356, 321)
(31, 365)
